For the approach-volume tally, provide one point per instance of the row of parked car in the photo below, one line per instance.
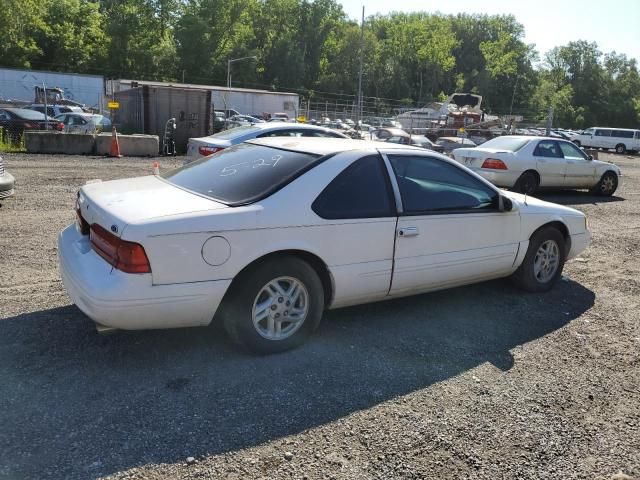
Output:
(14, 121)
(522, 163)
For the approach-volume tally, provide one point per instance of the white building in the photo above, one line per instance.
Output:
(19, 85)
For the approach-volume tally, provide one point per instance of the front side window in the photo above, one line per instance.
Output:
(571, 152)
(603, 133)
(429, 185)
(361, 190)
(241, 174)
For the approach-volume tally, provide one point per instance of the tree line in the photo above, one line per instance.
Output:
(312, 47)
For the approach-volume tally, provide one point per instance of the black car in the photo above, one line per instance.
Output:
(14, 121)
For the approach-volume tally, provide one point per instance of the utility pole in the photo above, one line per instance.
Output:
(549, 121)
(46, 117)
(359, 112)
(514, 95)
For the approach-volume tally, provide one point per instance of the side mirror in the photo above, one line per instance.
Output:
(590, 157)
(504, 204)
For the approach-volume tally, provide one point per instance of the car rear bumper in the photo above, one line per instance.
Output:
(6, 185)
(500, 178)
(115, 299)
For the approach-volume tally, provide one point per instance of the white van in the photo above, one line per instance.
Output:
(620, 139)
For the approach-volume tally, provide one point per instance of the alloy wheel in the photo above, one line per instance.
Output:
(280, 308)
(546, 261)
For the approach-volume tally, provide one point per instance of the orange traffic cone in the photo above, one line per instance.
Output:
(115, 146)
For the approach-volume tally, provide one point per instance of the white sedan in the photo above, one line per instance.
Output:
(266, 235)
(203, 146)
(526, 164)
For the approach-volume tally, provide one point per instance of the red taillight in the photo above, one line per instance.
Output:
(494, 164)
(60, 126)
(128, 257)
(204, 151)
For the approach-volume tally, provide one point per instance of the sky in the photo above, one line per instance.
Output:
(612, 24)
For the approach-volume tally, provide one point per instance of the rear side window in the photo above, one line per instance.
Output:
(548, 149)
(623, 133)
(241, 174)
(361, 190)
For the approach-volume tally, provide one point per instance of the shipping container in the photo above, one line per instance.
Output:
(244, 100)
(147, 109)
(19, 86)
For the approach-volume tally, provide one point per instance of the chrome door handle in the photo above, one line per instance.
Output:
(408, 232)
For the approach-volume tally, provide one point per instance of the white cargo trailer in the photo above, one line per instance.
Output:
(19, 85)
(244, 100)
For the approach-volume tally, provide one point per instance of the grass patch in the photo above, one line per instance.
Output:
(11, 147)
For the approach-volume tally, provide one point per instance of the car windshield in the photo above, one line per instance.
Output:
(233, 132)
(510, 144)
(241, 174)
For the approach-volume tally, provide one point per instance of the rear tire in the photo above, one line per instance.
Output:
(542, 265)
(275, 306)
(527, 183)
(607, 185)
(621, 149)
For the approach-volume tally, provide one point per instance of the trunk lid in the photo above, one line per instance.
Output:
(475, 157)
(118, 203)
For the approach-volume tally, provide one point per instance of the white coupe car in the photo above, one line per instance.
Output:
(268, 234)
(526, 164)
(203, 146)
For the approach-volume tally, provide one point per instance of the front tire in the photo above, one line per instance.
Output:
(607, 185)
(527, 183)
(275, 306)
(542, 265)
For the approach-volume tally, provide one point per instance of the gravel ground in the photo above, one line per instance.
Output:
(477, 382)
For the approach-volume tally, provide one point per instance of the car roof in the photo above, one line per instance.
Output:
(327, 146)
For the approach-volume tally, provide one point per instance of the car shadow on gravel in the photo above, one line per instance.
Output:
(575, 197)
(78, 405)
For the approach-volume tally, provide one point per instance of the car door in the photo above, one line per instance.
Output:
(358, 217)
(580, 171)
(450, 230)
(550, 163)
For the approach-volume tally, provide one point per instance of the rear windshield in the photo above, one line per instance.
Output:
(510, 144)
(234, 132)
(241, 174)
